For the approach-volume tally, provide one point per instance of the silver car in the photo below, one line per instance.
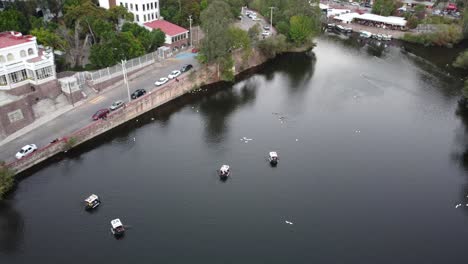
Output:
(116, 105)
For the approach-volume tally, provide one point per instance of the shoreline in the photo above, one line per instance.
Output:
(206, 76)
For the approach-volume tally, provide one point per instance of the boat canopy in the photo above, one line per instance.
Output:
(273, 154)
(224, 168)
(91, 198)
(116, 223)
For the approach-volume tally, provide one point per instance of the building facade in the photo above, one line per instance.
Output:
(22, 62)
(143, 10)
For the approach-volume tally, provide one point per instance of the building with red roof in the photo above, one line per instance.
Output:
(27, 74)
(176, 36)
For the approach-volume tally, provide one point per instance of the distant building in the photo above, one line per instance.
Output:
(142, 10)
(177, 37)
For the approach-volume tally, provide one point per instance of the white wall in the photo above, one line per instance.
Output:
(16, 52)
(142, 10)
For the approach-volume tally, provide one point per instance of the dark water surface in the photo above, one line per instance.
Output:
(373, 161)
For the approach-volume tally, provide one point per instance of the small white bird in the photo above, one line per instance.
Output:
(289, 223)
(458, 205)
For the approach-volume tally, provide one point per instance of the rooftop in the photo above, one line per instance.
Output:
(167, 27)
(11, 38)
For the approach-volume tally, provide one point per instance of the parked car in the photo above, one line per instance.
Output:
(161, 81)
(138, 93)
(266, 33)
(173, 74)
(355, 3)
(186, 67)
(368, 5)
(26, 150)
(116, 105)
(266, 27)
(194, 50)
(102, 113)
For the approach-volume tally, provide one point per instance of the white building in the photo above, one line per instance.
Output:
(142, 10)
(22, 62)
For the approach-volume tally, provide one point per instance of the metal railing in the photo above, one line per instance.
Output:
(105, 74)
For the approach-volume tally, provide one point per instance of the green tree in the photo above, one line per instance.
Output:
(462, 60)
(215, 19)
(254, 32)
(151, 40)
(7, 179)
(117, 47)
(300, 29)
(384, 7)
(49, 38)
(13, 20)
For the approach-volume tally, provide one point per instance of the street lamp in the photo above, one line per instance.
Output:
(190, 20)
(124, 72)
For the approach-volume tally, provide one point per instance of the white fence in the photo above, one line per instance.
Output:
(131, 65)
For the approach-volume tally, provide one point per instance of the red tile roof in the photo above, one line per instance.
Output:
(167, 27)
(8, 39)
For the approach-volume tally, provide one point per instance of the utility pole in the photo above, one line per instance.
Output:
(190, 20)
(71, 95)
(271, 17)
(124, 72)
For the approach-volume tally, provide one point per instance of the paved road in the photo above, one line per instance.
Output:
(80, 116)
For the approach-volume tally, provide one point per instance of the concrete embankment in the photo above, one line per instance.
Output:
(192, 80)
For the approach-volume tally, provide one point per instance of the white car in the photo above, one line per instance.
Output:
(355, 3)
(161, 81)
(173, 74)
(24, 151)
(266, 33)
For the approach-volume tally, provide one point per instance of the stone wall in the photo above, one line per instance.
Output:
(21, 107)
(172, 90)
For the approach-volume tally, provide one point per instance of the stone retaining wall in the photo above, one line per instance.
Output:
(172, 90)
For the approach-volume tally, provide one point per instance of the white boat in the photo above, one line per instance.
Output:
(92, 202)
(224, 171)
(117, 227)
(379, 37)
(348, 30)
(365, 34)
(273, 158)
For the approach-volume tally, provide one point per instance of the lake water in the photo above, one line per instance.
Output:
(373, 161)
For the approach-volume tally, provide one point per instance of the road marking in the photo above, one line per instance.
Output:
(96, 100)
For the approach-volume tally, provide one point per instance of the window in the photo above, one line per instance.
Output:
(126, 5)
(121, 4)
(2, 58)
(136, 7)
(44, 72)
(3, 80)
(22, 53)
(18, 76)
(10, 57)
(30, 51)
(143, 7)
(144, 18)
(137, 18)
(156, 5)
(147, 6)
(152, 7)
(131, 6)
(152, 16)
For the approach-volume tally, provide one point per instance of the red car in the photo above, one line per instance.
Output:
(101, 114)
(194, 50)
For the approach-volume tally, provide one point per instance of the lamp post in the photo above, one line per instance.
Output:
(271, 17)
(124, 72)
(190, 20)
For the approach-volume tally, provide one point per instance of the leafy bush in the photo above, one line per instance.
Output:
(270, 47)
(7, 179)
(462, 60)
(444, 36)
